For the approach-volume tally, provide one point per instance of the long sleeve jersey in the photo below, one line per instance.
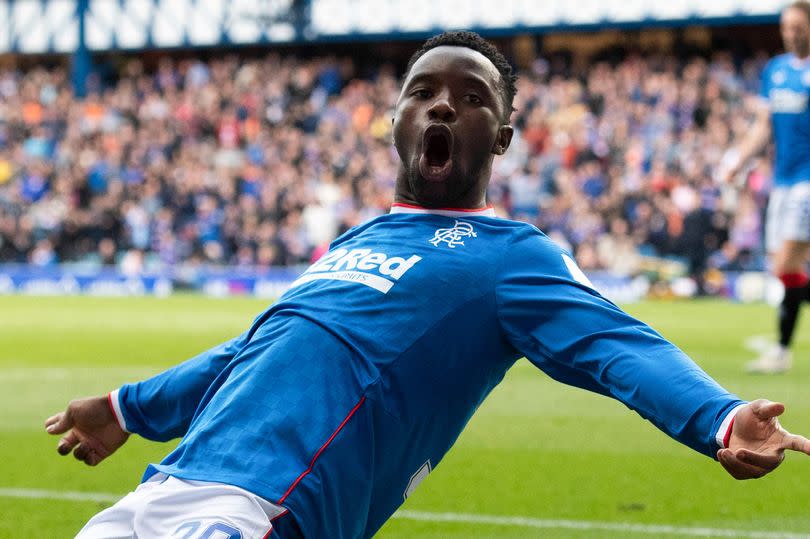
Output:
(347, 391)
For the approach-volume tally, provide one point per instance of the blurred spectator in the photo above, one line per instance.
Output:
(257, 163)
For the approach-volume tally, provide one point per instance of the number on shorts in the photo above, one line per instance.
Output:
(189, 528)
(218, 530)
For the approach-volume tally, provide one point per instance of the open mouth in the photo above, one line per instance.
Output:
(436, 162)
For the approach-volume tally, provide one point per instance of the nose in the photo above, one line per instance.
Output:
(441, 109)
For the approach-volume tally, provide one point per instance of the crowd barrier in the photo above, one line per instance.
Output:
(271, 283)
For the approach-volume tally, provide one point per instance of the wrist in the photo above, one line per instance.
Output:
(114, 403)
(723, 434)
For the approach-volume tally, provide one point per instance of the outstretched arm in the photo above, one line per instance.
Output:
(159, 408)
(757, 442)
(552, 315)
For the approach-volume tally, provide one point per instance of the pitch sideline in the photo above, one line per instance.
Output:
(466, 518)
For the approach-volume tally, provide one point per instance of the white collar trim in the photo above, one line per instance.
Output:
(398, 207)
(799, 63)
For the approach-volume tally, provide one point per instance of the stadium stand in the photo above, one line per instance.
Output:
(262, 162)
(259, 160)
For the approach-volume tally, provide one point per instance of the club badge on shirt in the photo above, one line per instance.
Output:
(453, 236)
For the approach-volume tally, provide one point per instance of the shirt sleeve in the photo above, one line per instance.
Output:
(161, 408)
(552, 315)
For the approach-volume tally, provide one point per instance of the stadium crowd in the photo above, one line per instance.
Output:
(261, 162)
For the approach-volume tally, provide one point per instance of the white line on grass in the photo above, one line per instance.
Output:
(587, 525)
(464, 518)
(73, 496)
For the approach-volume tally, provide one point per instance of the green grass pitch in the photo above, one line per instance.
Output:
(536, 449)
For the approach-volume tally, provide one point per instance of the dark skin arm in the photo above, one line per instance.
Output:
(91, 431)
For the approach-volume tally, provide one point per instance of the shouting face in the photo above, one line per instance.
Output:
(448, 126)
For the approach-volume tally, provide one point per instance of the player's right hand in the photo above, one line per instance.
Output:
(93, 433)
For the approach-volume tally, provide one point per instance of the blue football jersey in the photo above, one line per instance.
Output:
(786, 87)
(351, 388)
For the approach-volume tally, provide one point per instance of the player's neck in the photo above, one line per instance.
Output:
(471, 202)
(472, 197)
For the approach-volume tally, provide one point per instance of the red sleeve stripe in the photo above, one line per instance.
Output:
(110, 404)
(115, 408)
(318, 454)
(727, 437)
(723, 434)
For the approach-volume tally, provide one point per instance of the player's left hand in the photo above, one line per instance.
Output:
(758, 442)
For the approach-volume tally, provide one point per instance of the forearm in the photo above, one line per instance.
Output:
(653, 378)
(753, 144)
(756, 138)
(666, 387)
(561, 324)
(162, 407)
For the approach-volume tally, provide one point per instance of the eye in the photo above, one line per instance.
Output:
(474, 99)
(422, 93)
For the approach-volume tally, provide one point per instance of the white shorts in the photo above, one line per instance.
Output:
(788, 217)
(167, 507)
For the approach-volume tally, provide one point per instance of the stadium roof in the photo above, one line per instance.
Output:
(53, 26)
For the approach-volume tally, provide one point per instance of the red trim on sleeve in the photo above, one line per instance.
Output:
(727, 437)
(318, 454)
(266, 535)
(112, 407)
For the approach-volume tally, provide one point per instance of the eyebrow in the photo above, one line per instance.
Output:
(473, 80)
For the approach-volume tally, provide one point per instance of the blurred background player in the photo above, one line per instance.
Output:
(783, 111)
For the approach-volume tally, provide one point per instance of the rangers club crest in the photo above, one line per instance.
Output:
(453, 236)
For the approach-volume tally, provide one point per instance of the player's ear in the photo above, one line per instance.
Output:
(503, 140)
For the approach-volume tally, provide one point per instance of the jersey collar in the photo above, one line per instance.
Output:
(398, 207)
(799, 63)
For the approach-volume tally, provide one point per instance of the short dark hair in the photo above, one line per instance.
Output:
(473, 41)
(801, 5)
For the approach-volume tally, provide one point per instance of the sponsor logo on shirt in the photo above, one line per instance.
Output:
(375, 270)
(779, 77)
(453, 236)
(787, 101)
